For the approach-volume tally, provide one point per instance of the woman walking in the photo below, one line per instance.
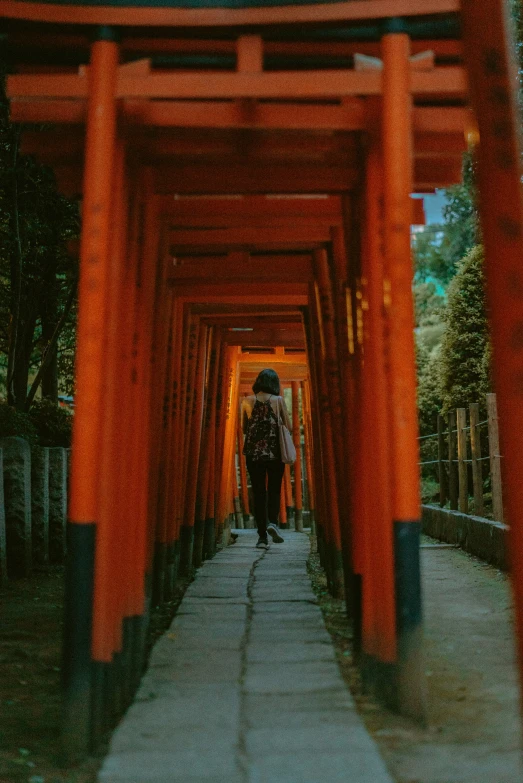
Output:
(261, 414)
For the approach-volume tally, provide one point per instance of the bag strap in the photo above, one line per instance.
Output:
(280, 418)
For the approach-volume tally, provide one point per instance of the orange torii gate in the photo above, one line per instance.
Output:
(180, 126)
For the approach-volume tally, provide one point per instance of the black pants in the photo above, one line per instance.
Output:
(266, 479)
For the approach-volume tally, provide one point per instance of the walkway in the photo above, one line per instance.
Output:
(473, 733)
(244, 688)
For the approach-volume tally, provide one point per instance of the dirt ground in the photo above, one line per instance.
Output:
(473, 731)
(30, 656)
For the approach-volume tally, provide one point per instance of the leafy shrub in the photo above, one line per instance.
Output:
(13, 422)
(52, 423)
(465, 350)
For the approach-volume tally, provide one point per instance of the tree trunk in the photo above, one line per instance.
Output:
(50, 379)
(50, 317)
(24, 349)
(16, 286)
(51, 350)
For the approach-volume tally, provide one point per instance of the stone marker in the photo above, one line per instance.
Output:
(40, 504)
(57, 503)
(3, 552)
(17, 497)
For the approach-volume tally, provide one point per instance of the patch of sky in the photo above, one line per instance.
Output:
(433, 204)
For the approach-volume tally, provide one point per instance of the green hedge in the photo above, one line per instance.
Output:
(46, 424)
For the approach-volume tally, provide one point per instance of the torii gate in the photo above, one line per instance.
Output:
(358, 103)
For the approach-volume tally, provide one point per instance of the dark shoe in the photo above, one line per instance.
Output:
(234, 538)
(263, 543)
(274, 533)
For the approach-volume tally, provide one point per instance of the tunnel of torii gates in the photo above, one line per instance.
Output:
(252, 167)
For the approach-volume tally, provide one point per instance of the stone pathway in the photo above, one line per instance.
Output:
(244, 688)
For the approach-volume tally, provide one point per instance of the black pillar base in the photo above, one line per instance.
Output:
(126, 690)
(100, 690)
(321, 544)
(159, 573)
(77, 669)
(209, 539)
(335, 576)
(411, 670)
(186, 549)
(381, 680)
(219, 536)
(139, 630)
(353, 602)
(199, 530)
(173, 565)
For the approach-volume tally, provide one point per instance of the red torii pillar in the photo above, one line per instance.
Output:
(84, 502)
(398, 167)
(493, 78)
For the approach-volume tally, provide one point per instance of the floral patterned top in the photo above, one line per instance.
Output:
(262, 442)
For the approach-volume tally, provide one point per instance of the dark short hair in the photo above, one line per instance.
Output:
(267, 381)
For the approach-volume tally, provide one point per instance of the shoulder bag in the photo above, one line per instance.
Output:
(287, 448)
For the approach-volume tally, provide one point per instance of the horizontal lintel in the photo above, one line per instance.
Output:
(228, 114)
(349, 10)
(325, 84)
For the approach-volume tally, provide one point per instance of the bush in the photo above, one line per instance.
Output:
(52, 423)
(465, 350)
(16, 423)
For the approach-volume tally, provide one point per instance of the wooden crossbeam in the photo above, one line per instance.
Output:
(291, 177)
(267, 338)
(62, 144)
(442, 82)
(226, 311)
(253, 322)
(190, 211)
(204, 180)
(304, 235)
(278, 358)
(443, 48)
(144, 45)
(252, 221)
(352, 10)
(244, 293)
(350, 116)
(254, 270)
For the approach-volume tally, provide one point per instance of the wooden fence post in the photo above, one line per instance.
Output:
(461, 421)
(495, 457)
(475, 449)
(441, 462)
(453, 468)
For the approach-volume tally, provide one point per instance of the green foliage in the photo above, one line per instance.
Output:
(516, 7)
(36, 269)
(461, 231)
(429, 390)
(13, 422)
(429, 312)
(465, 350)
(439, 249)
(431, 263)
(429, 405)
(53, 424)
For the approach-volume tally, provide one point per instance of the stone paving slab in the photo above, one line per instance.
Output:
(327, 737)
(287, 652)
(314, 767)
(244, 687)
(296, 677)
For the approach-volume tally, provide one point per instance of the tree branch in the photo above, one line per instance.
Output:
(16, 276)
(51, 346)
